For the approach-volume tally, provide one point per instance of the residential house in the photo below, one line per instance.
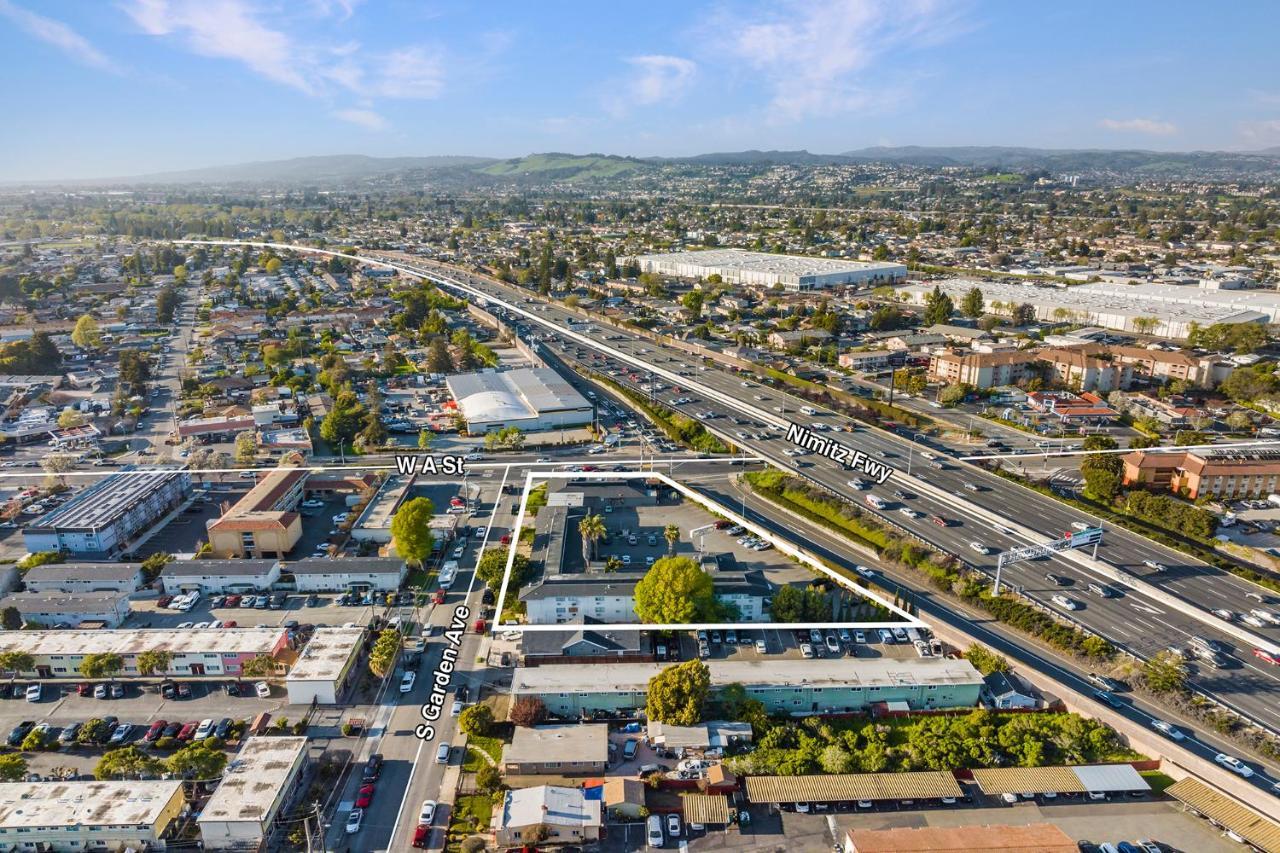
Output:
(565, 750)
(546, 813)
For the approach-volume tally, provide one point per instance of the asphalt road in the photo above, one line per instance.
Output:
(1130, 620)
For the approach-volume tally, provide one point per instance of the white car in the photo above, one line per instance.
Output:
(1154, 566)
(204, 730)
(353, 821)
(1066, 603)
(979, 547)
(911, 513)
(1234, 764)
(262, 689)
(340, 518)
(34, 692)
(312, 504)
(456, 709)
(1224, 614)
(406, 683)
(473, 457)
(863, 571)
(857, 484)
(428, 812)
(1079, 525)
(1167, 730)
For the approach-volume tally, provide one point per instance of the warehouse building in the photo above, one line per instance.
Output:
(258, 786)
(1169, 309)
(265, 522)
(103, 519)
(800, 688)
(85, 815)
(531, 398)
(760, 269)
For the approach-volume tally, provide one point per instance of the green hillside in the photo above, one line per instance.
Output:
(562, 167)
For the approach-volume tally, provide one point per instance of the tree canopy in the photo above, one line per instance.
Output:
(411, 530)
(675, 590)
(677, 694)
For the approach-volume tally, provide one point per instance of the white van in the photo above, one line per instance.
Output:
(654, 825)
(809, 410)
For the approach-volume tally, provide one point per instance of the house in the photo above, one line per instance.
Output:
(530, 816)
(327, 574)
(85, 577)
(565, 750)
(69, 609)
(1006, 691)
(915, 343)
(1072, 409)
(624, 797)
(258, 788)
(798, 338)
(220, 576)
(89, 815)
(585, 645)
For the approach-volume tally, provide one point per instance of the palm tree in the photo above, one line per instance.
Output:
(592, 529)
(672, 534)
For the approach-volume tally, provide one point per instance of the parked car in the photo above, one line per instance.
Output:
(372, 768)
(34, 693)
(262, 689)
(155, 731)
(353, 821)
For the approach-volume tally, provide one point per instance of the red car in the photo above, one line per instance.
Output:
(1267, 656)
(229, 623)
(188, 731)
(940, 521)
(84, 689)
(421, 836)
(163, 601)
(231, 601)
(365, 797)
(153, 733)
(506, 539)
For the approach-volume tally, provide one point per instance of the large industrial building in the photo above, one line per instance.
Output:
(1126, 307)
(532, 399)
(103, 519)
(761, 269)
(798, 687)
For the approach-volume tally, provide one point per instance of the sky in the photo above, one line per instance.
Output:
(104, 88)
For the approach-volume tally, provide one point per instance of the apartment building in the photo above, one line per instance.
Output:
(102, 520)
(89, 815)
(1227, 474)
(265, 522)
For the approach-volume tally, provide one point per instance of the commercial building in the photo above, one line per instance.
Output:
(69, 609)
(103, 519)
(531, 399)
(761, 269)
(265, 522)
(258, 786)
(1228, 474)
(84, 577)
(797, 687)
(215, 429)
(328, 574)
(546, 813)
(58, 654)
(568, 750)
(219, 576)
(1162, 310)
(85, 815)
(326, 667)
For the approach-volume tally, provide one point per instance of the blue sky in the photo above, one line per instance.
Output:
(120, 87)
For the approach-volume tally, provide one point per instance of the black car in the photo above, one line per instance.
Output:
(20, 732)
(184, 690)
(171, 730)
(462, 692)
(372, 768)
(169, 690)
(234, 688)
(223, 728)
(487, 596)
(1108, 698)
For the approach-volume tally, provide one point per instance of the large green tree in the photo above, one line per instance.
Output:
(411, 530)
(127, 763)
(938, 307)
(973, 303)
(101, 665)
(494, 563)
(199, 760)
(13, 767)
(677, 694)
(675, 590)
(799, 604)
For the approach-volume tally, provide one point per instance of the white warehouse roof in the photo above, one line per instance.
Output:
(514, 395)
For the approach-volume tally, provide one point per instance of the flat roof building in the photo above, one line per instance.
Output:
(330, 574)
(69, 608)
(83, 815)
(1232, 474)
(761, 269)
(84, 577)
(801, 688)
(532, 399)
(1026, 838)
(257, 786)
(103, 519)
(325, 669)
(567, 750)
(217, 651)
(225, 576)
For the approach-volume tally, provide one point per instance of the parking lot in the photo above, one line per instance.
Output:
(186, 531)
(319, 609)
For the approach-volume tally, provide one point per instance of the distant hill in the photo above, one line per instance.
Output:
(1074, 160)
(335, 167)
(758, 158)
(557, 166)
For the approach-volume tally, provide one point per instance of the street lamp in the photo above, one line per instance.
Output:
(911, 451)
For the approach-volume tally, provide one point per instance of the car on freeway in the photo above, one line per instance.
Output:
(910, 513)
(1269, 657)
(979, 547)
(1056, 580)
(1104, 682)
(353, 821)
(865, 572)
(1108, 698)
(1234, 764)
(1168, 730)
(1154, 566)
(1224, 614)
(1065, 602)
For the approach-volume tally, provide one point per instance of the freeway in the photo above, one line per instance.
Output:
(1130, 619)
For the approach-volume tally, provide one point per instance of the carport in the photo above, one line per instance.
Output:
(851, 787)
(1028, 780)
(1111, 778)
(1195, 795)
(706, 809)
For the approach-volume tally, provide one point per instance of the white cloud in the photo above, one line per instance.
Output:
(816, 57)
(660, 77)
(235, 30)
(1148, 126)
(367, 119)
(1265, 132)
(59, 35)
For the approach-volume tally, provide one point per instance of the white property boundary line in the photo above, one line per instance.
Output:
(781, 544)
